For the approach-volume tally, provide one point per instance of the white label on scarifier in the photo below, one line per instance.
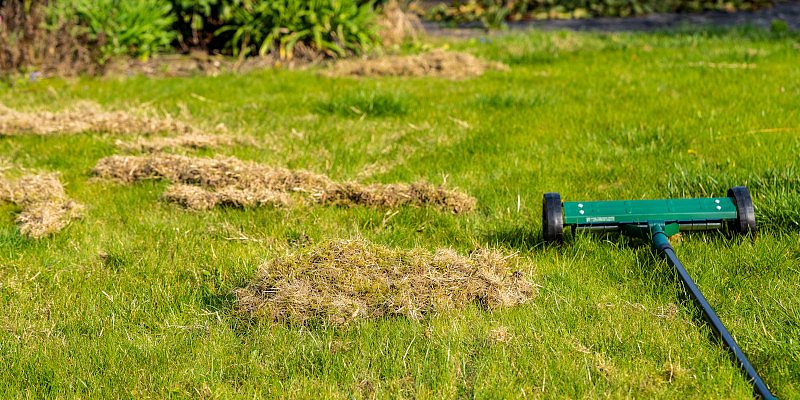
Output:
(599, 219)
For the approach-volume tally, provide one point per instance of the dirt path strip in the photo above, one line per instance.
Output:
(46, 209)
(230, 181)
(342, 281)
(85, 117)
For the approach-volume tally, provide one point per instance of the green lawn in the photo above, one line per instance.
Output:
(590, 116)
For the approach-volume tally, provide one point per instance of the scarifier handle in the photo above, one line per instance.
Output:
(661, 243)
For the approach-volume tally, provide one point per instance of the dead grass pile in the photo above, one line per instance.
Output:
(45, 206)
(229, 181)
(397, 25)
(190, 141)
(342, 281)
(399, 194)
(214, 173)
(437, 63)
(198, 198)
(85, 117)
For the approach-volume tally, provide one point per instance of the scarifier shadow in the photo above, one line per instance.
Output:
(516, 237)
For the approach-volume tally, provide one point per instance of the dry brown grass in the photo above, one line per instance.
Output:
(85, 117)
(198, 198)
(27, 43)
(45, 206)
(397, 25)
(501, 334)
(191, 141)
(342, 281)
(672, 371)
(214, 173)
(438, 63)
(229, 181)
(399, 194)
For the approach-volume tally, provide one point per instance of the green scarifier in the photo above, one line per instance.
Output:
(657, 220)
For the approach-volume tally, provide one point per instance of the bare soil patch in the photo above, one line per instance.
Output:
(437, 63)
(45, 206)
(342, 281)
(85, 117)
(229, 181)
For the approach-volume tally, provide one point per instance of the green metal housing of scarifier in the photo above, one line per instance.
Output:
(689, 214)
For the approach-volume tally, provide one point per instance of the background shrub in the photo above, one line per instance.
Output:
(33, 33)
(121, 27)
(197, 20)
(82, 35)
(257, 27)
(333, 27)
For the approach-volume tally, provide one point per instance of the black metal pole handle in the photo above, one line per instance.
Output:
(711, 317)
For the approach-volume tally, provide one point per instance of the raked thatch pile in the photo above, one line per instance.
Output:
(45, 206)
(437, 63)
(229, 181)
(85, 117)
(342, 281)
(190, 141)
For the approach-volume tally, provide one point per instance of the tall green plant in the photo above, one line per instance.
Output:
(334, 27)
(197, 20)
(123, 27)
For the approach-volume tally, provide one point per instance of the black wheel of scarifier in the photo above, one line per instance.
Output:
(552, 218)
(746, 214)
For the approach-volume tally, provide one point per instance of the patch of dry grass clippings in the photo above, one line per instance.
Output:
(215, 173)
(398, 195)
(198, 198)
(437, 63)
(229, 181)
(190, 141)
(85, 117)
(342, 281)
(398, 25)
(46, 209)
(193, 197)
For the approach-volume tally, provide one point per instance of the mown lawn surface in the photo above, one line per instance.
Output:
(135, 300)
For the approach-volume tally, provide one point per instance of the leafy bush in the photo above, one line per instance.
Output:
(493, 13)
(122, 27)
(197, 20)
(334, 27)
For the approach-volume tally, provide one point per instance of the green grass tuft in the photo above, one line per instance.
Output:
(364, 103)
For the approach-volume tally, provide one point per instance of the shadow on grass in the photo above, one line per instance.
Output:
(517, 237)
(365, 103)
(224, 306)
(219, 301)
